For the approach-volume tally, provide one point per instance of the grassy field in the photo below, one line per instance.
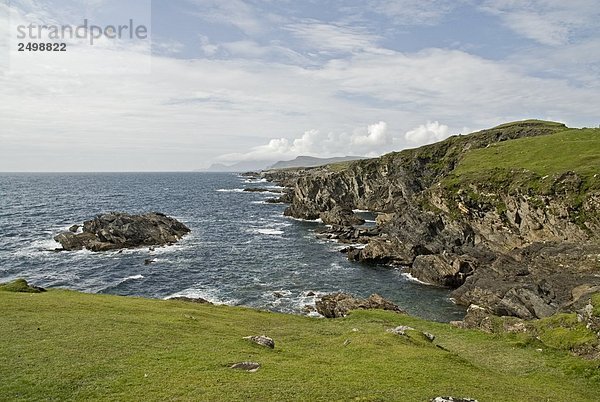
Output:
(62, 345)
(574, 149)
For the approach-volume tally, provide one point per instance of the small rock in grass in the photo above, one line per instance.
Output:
(246, 366)
(429, 336)
(262, 340)
(401, 330)
(451, 399)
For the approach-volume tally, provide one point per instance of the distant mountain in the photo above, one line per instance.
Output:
(237, 167)
(311, 161)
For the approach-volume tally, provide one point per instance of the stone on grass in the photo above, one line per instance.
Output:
(250, 367)
(262, 340)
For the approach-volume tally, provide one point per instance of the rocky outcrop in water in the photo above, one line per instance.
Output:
(116, 230)
(340, 304)
(514, 242)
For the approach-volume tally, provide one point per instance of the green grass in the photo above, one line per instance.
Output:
(63, 345)
(563, 331)
(571, 150)
(19, 286)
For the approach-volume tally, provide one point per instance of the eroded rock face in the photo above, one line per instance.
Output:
(117, 230)
(503, 245)
(340, 304)
(340, 216)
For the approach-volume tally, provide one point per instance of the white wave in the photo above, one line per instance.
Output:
(255, 181)
(341, 246)
(318, 220)
(267, 231)
(413, 279)
(230, 190)
(357, 211)
(133, 278)
(212, 295)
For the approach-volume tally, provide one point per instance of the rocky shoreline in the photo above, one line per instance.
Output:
(497, 243)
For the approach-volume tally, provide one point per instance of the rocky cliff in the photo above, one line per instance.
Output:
(504, 216)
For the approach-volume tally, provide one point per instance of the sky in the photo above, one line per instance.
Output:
(224, 81)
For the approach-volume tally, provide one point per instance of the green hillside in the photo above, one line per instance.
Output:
(62, 345)
(575, 150)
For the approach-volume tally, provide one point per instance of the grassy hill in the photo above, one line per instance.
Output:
(570, 150)
(62, 345)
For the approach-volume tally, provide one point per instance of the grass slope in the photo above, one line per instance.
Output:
(63, 345)
(571, 150)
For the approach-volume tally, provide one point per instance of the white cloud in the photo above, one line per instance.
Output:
(376, 136)
(549, 22)
(427, 133)
(208, 48)
(413, 12)
(236, 13)
(371, 140)
(187, 112)
(328, 37)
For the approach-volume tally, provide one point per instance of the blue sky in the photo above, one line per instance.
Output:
(255, 80)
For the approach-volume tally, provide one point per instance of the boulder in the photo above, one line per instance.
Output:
(401, 330)
(341, 216)
(443, 270)
(246, 366)
(117, 230)
(340, 304)
(262, 341)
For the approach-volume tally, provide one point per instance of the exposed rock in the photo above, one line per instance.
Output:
(501, 243)
(197, 300)
(481, 319)
(117, 230)
(263, 190)
(443, 269)
(429, 336)
(340, 216)
(251, 175)
(340, 304)
(452, 399)
(476, 318)
(251, 367)
(149, 261)
(401, 330)
(74, 228)
(262, 341)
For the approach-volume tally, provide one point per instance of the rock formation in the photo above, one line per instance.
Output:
(513, 241)
(117, 230)
(340, 304)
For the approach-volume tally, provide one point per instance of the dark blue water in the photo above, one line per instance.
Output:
(241, 251)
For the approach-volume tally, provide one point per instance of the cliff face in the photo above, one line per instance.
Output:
(511, 239)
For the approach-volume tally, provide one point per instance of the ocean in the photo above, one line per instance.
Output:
(241, 251)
